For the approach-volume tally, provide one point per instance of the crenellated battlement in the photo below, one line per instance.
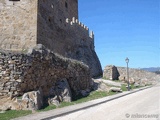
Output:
(76, 22)
(26, 23)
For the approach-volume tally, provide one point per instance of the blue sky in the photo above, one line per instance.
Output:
(124, 28)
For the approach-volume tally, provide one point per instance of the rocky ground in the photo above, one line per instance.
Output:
(33, 100)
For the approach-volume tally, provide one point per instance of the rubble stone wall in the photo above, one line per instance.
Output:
(135, 75)
(40, 68)
(138, 75)
(111, 72)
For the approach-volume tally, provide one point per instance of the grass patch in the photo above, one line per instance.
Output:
(13, 114)
(19, 97)
(105, 78)
(65, 104)
(135, 87)
(117, 81)
(92, 96)
(47, 108)
(123, 87)
(148, 85)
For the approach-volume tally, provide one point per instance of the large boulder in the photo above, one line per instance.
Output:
(108, 82)
(61, 92)
(99, 85)
(54, 101)
(5, 103)
(33, 99)
(115, 89)
(122, 78)
(30, 101)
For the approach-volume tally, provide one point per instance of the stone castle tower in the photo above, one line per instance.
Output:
(53, 23)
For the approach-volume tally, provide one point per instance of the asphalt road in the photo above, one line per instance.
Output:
(143, 105)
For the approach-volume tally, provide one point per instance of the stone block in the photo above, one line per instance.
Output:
(11, 66)
(19, 80)
(4, 91)
(18, 73)
(16, 93)
(34, 98)
(7, 78)
(1, 63)
(1, 84)
(7, 88)
(53, 101)
(15, 84)
(115, 89)
(6, 75)
(11, 62)
(8, 84)
(13, 89)
(1, 88)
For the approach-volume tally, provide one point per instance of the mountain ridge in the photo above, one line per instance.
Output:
(151, 69)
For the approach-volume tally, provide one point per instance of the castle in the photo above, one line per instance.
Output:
(53, 23)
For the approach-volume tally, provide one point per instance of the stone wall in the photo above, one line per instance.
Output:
(18, 20)
(111, 73)
(138, 75)
(135, 75)
(40, 69)
(66, 35)
(53, 23)
(18, 24)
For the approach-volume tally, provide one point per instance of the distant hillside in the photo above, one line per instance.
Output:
(152, 69)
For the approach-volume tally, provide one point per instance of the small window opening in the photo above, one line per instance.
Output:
(49, 19)
(66, 4)
(60, 20)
